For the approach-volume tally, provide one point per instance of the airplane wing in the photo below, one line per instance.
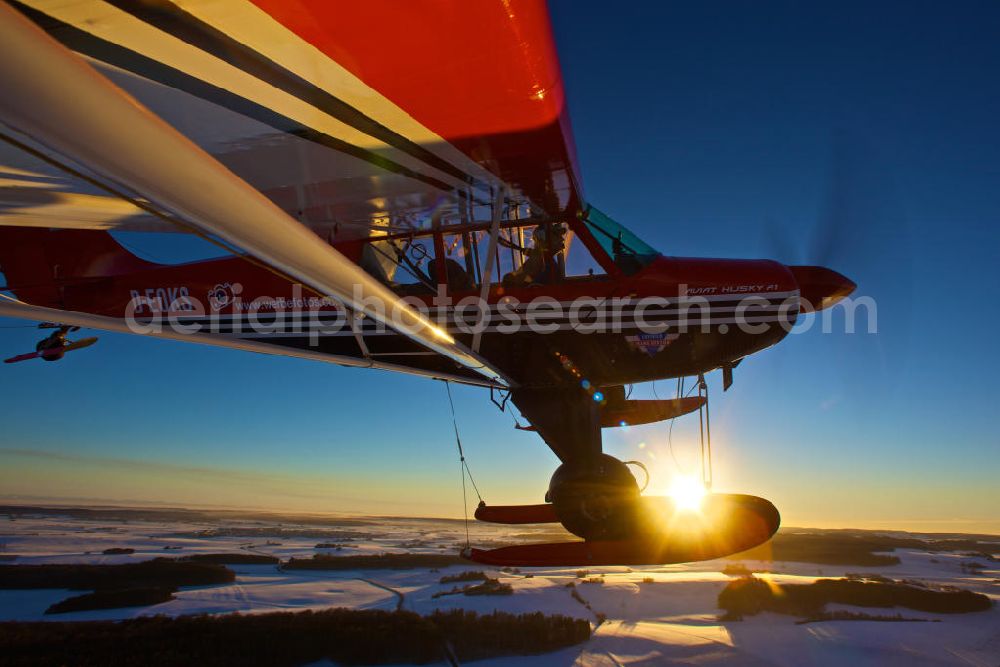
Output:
(257, 122)
(348, 116)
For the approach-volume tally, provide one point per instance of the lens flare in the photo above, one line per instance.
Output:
(687, 493)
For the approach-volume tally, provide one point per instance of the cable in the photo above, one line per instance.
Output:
(693, 387)
(708, 436)
(670, 430)
(464, 467)
(704, 428)
(517, 422)
(705, 433)
(701, 426)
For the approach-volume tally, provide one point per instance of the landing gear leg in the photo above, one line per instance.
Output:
(593, 495)
(566, 418)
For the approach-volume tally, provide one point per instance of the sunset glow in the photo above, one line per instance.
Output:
(688, 493)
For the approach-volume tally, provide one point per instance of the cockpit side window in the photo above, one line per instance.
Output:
(528, 254)
(580, 262)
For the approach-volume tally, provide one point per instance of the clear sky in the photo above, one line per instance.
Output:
(725, 129)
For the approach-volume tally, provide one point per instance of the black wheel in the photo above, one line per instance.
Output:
(51, 349)
(597, 499)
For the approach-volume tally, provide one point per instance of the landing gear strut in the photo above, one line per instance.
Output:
(53, 347)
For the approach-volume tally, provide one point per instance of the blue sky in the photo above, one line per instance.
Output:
(710, 129)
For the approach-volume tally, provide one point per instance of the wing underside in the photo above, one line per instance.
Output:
(349, 122)
(346, 133)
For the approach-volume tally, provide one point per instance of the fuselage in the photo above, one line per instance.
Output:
(676, 317)
(665, 318)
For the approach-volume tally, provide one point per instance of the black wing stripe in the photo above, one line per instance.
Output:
(126, 59)
(170, 18)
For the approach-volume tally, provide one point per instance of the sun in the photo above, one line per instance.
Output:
(687, 493)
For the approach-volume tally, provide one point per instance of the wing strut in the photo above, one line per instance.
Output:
(491, 255)
(110, 132)
(13, 308)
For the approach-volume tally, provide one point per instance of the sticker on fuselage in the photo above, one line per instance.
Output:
(651, 343)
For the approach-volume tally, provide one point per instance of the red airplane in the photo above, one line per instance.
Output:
(387, 204)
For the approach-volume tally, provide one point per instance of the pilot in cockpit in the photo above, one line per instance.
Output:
(540, 265)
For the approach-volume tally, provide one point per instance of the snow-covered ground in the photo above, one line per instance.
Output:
(655, 615)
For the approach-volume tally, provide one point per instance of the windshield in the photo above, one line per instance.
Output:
(630, 253)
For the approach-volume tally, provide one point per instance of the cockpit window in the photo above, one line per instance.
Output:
(630, 253)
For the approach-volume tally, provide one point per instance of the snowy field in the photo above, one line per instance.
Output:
(654, 615)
